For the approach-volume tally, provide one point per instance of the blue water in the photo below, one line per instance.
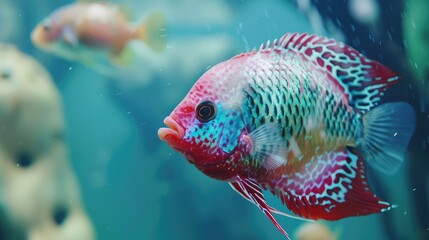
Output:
(134, 186)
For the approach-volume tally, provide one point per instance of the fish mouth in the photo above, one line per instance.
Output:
(37, 37)
(174, 130)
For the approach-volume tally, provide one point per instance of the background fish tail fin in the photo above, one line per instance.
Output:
(153, 31)
(387, 132)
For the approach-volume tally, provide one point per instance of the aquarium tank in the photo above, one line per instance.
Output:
(226, 119)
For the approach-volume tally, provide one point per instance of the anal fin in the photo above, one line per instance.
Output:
(332, 186)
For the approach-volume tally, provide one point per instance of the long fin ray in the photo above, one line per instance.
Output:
(253, 193)
(273, 210)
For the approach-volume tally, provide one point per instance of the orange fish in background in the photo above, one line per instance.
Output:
(316, 231)
(90, 32)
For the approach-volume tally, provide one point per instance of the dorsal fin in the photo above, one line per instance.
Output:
(362, 79)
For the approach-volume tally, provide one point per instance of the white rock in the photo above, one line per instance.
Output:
(38, 190)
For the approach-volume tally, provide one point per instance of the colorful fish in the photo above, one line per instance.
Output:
(298, 118)
(89, 32)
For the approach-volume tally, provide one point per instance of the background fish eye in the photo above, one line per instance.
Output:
(206, 111)
(47, 25)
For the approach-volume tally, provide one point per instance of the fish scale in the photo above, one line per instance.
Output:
(299, 104)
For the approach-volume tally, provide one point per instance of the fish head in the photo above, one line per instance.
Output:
(206, 126)
(58, 33)
(47, 32)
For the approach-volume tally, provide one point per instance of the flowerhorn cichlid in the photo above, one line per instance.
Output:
(298, 118)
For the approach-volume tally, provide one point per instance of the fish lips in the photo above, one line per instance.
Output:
(173, 134)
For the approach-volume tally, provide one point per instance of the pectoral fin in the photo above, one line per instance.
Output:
(69, 36)
(268, 147)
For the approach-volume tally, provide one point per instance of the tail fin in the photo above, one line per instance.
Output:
(387, 132)
(153, 31)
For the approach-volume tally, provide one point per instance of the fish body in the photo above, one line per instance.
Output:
(83, 31)
(297, 118)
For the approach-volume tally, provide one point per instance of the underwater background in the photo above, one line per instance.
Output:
(134, 186)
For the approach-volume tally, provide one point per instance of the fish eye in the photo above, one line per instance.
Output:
(5, 73)
(47, 24)
(206, 111)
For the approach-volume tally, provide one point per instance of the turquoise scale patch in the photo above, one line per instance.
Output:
(223, 131)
